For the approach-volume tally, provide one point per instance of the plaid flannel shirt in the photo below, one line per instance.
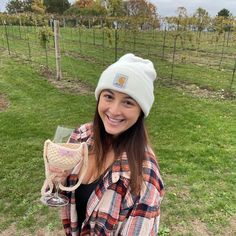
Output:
(112, 209)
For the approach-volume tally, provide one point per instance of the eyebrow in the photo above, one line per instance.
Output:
(110, 91)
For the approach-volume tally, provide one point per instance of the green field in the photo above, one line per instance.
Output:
(207, 62)
(192, 128)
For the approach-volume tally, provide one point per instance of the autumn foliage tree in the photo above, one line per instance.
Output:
(141, 12)
(84, 3)
(140, 8)
(38, 6)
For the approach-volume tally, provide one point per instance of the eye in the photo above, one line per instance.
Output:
(107, 96)
(129, 103)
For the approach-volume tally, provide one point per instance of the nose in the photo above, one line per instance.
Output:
(115, 108)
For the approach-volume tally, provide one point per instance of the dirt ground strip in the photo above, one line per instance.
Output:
(78, 87)
(67, 84)
(4, 102)
(199, 91)
(199, 228)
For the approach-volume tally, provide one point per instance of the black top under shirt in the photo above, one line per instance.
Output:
(82, 194)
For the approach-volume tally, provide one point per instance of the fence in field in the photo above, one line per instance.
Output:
(188, 56)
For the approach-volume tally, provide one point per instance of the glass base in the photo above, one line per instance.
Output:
(55, 200)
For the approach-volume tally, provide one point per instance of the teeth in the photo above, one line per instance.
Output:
(114, 120)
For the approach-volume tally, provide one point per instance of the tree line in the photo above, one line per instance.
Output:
(118, 8)
(141, 11)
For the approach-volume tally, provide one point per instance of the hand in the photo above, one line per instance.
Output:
(59, 176)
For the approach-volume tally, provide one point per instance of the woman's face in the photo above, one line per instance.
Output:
(118, 111)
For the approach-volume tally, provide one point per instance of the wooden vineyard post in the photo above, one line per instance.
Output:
(57, 49)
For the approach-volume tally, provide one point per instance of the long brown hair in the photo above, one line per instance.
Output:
(132, 141)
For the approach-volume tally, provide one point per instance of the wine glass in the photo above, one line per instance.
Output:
(61, 136)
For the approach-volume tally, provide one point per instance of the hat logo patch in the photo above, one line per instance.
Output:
(120, 81)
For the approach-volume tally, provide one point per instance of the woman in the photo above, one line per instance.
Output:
(122, 190)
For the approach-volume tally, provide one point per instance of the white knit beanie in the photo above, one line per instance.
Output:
(131, 75)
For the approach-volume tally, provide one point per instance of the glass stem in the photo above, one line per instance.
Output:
(57, 190)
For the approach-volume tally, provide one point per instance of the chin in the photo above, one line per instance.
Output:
(113, 132)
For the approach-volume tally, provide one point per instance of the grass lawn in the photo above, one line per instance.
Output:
(193, 137)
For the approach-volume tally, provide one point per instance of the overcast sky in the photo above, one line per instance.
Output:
(169, 7)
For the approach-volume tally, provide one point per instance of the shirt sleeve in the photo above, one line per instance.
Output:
(75, 136)
(144, 217)
(81, 134)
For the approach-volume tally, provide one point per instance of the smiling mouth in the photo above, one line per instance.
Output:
(114, 121)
